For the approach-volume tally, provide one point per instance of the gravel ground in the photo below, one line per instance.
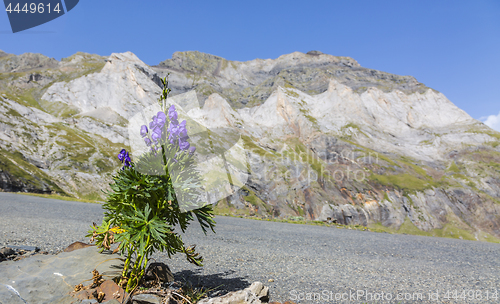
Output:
(301, 261)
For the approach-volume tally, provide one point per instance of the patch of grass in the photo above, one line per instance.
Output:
(24, 97)
(80, 147)
(403, 181)
(426, 142)
(59, 109)
(417, 169)
(90, 197)
(489, 132)
(252, 198)
(12, 112)
(225, 208)
(22, 171)
(386, 197)
(59, 197)
(409, 228)
(453, 168)
(290, 92)
(493, 144)
(306, 113)
(254, 148)
(303, 154)
(354, 127)
(449, 230)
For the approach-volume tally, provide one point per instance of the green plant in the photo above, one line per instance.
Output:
(152, 195)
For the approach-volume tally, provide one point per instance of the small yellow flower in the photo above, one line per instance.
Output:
(117, 230)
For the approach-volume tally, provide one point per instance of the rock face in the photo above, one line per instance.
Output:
(250, 83)
(324, 138)
(25, 62)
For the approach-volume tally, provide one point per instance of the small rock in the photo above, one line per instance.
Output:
(260, 290)
(111, 291)
(7, 251)
(26, 248)
(146, 299)
(108, 289)
(76, 246)
(159, 271)
(314, 53)
(245, 296)
(270, 280)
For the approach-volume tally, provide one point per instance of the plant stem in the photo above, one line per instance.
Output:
(133, 275)
(127, 261)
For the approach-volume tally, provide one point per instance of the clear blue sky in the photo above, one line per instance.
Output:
(451, 46)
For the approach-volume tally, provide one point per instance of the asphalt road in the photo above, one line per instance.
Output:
(307, 264)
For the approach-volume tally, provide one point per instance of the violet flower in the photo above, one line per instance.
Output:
(121, 155)
(144, 130)
(161, 118)
(125, 158)
(172, 113)
(156, 134)
(183, 145)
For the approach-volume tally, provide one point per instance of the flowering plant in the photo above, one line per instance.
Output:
(151, 195)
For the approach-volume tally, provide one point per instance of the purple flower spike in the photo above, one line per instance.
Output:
(161, 118)
(147, 141)
(171, 109)
(122, 154)
(125, 158)
(192, 149)
(171, 139)
(183, 145)
(183, 134)
(174, 130)
(172, 113)
(156, 134)
(144, 130)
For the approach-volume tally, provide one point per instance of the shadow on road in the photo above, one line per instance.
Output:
(219, 282)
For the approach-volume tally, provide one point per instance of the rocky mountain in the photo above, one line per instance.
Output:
(324, 138)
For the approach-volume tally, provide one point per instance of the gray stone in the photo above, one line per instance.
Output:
(245, 296)
(146, 299)
(50, 278)
(260, 290)
(6, 251)
(159, 271)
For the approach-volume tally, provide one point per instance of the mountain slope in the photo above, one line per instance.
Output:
(325, 138)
